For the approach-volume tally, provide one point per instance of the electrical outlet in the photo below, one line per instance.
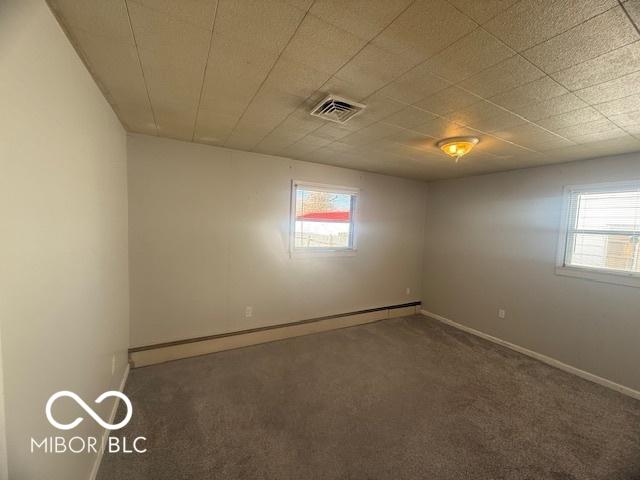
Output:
(502, 313)
(113, 364)
(248, 312)
(407, 291)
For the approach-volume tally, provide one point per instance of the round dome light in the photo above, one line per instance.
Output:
(456, 147)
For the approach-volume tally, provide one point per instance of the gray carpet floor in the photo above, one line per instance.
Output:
(406, 398)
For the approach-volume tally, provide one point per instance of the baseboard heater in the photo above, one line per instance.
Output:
(191, 347)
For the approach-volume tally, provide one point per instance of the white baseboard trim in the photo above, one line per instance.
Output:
(105, 434)
(538, 356)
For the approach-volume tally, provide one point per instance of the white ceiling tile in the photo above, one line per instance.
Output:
(532, 92)
(603, 68)
(200, 13)
(117, 67)
(610, 134)
(568, 119)
(409, 117)
(504, 76)
(322, 46)
(268, 109)
(484, 10)
(294, 78)
(612, 90)
(486, 117)
(597, 36)
(440, 128)
(248, 39)
(414, 85)
(633, 8)
(448, 100)
(106, 18)
(270, 61)
(628, 119)
(471, 54)
(621, 105)
(373, 67)
(267, 23)
(424, 29)
(530, 22)
(552, 106)
(342, 88)
(364, 18)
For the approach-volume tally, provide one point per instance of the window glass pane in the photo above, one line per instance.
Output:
(607, 251)
(608, 211)
(323, 219)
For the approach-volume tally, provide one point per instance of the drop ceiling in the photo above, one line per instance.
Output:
(538, 81)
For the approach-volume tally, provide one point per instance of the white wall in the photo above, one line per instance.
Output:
(492, 242)
(209, 234)
(63, 238)
(4, 471)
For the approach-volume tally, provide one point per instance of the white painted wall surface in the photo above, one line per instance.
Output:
(492, 243)
(4, 470)
(63, 238)
(209, 233)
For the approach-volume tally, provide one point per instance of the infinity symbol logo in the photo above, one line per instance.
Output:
(88, 409)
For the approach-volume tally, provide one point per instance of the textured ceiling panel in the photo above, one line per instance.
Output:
(608, 66)
(531, 22)
(173, 54)
(537, 81)
(248, 38)
(482, 11)
(363, 18)
(471, 54)
(597, 36)
(424, 29)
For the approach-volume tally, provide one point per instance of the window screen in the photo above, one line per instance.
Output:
(323, 218)
(604, 229)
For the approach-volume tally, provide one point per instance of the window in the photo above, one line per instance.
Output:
(602, 232)
(322, 218)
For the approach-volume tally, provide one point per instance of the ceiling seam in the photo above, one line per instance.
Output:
(444, 117)
(626, 12)
(550, 75)
(438, 116)
(553, 102)
(500, 12)
(144, 77)
(488, 100)
(527, 121)
(595, 106)
(84, 58)
(568, 29)
(516, 53)
(178, 17)
(204, 73)
(480, 27)
(591, 59)
(333, 74)
(264, 80)
(633, 22)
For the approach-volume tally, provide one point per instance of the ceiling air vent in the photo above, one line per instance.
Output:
(337, 109)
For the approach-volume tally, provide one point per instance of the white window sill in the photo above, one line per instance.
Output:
(322, 253)
(598, 275)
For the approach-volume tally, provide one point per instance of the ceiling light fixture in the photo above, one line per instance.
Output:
(456, 147)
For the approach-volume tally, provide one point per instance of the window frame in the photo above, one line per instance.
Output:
(618, 277)
(320, 251)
